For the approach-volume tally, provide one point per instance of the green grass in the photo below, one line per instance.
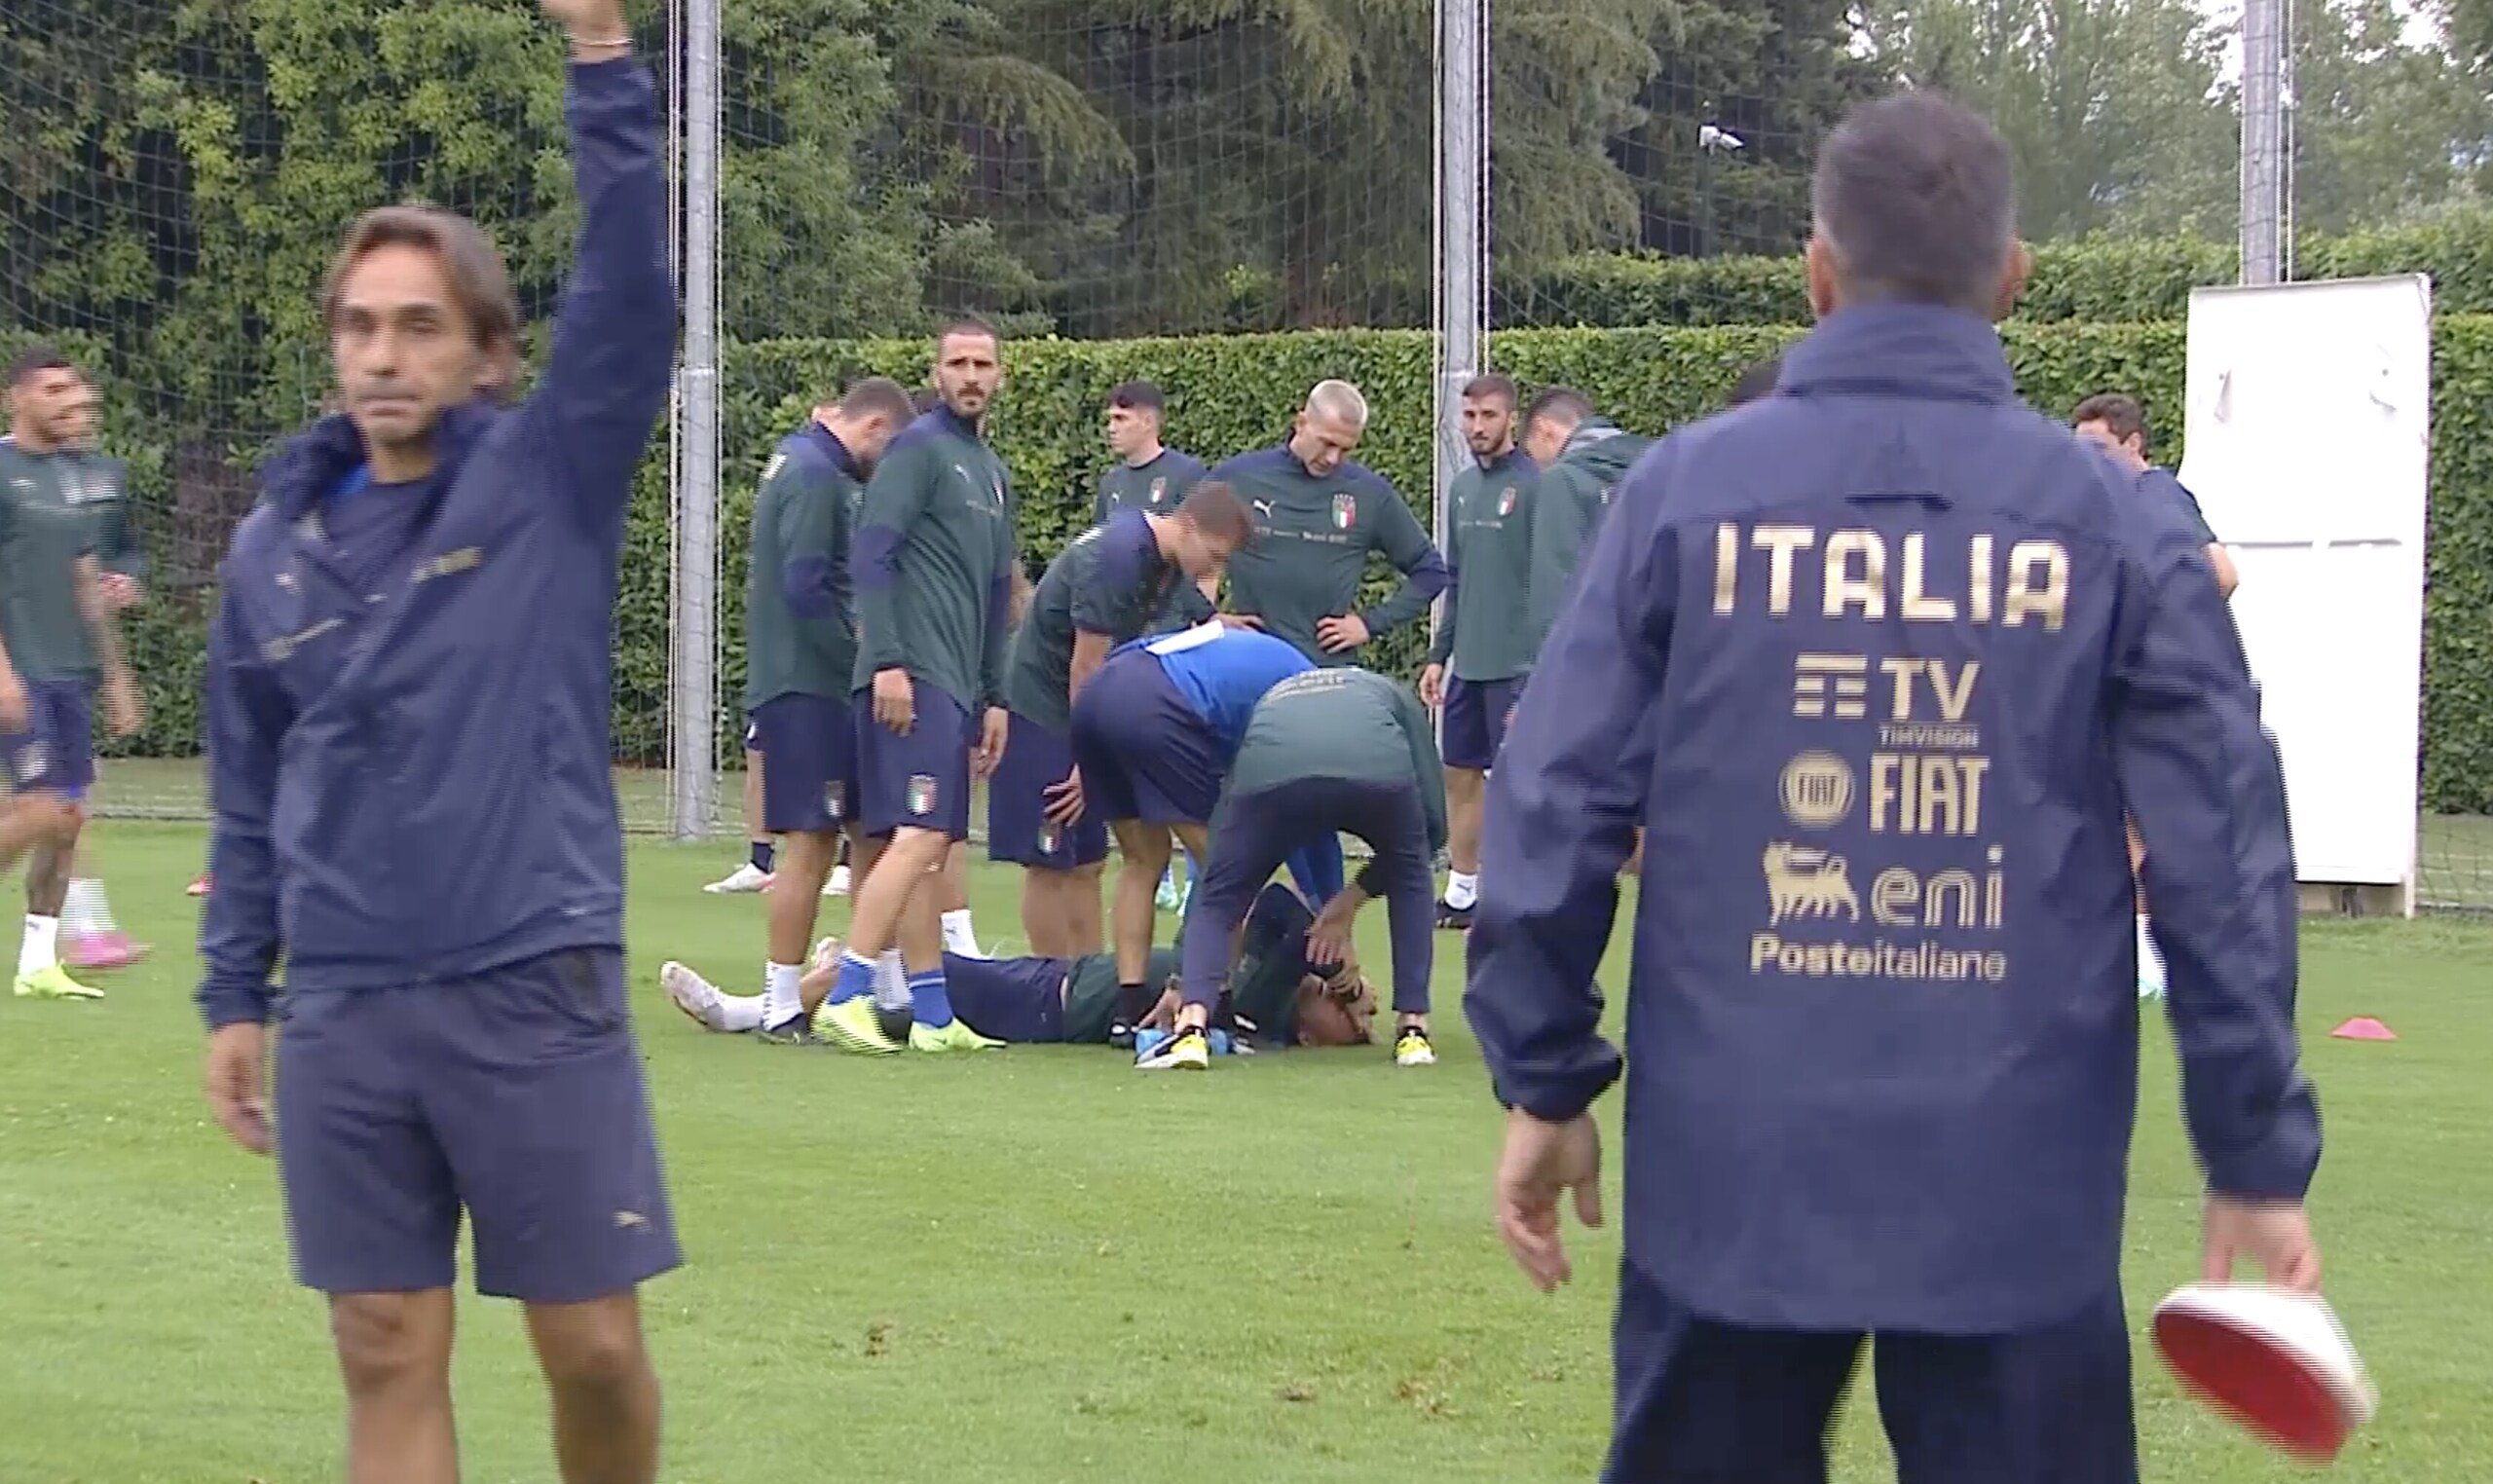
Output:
(1042, 1267)
(2453, 851)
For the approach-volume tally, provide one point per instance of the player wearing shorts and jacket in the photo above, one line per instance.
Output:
(934, 563)
(800, 657)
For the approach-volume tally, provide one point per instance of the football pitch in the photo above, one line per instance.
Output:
(1040, 1265)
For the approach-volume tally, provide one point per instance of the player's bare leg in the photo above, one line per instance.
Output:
(605, 1391)
(1466, 795)
(1060, 910)
(795, 901)
(1142, 856)
(393, 1352)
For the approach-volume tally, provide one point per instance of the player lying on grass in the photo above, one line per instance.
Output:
(1328, 753)
(1275, 996)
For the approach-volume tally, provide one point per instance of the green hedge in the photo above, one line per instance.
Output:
(1232, 393)
(2097, 279)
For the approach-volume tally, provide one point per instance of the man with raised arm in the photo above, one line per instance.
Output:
(410, 679)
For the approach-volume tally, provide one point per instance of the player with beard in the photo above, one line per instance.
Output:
(934, 561)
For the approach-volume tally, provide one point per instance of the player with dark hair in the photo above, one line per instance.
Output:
(1581, 455)
(800, 658)
(1153, 735)
(409, 697)
(1757, 381)
(934, 563)
(2115, 423)
(1112, 584)
(1328, 753)
(1482, 652)
(58, 641)
(1900, 639)
(1148, 475)
(1319, 516)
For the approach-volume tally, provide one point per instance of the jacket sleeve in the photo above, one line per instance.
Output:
(1561, 816)
(997, 647)
(116, 544)
(2203, 784)
(1399, 538)
(895, 497)
(1441, 649)
(614, 353)
(1561, 514)
(247, 717)
(811, 514)
(1426, 768)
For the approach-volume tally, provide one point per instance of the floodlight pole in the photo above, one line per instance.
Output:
(694, 759)
(1462, 279)
(2263, 152)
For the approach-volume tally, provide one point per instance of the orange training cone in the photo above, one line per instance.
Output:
(2363, 1027)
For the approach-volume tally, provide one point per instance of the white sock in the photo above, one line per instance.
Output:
(2150, 963)
(891, 980)
(960, 939)
(781, 1001)
(1462, 889)
(40, 948)
(740, 1013)
(85, 911)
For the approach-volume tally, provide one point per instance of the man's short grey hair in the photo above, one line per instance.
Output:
(1340, 400)
(1916, 198)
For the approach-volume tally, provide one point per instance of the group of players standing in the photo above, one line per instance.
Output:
(897, 653)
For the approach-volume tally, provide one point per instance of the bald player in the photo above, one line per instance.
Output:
(1320, 516)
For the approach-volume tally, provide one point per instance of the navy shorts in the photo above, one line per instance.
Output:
(1475, 720)
(920, 781)
(811, 745)
(54, 751)
(1697, 1401)
(1019, 1001)
(1018, 832)
(1144, 751)
(515, 1095)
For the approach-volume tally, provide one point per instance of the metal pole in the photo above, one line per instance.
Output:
(2263, 66)
(1462, 245)
(694, 761)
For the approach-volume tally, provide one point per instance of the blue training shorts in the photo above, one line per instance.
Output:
(54, 751)
(1018, 829)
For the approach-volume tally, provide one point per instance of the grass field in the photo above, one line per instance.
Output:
(1042, 1267)
(2454, 852)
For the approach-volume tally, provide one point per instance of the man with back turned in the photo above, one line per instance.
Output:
(410, 684)
(1878, 661)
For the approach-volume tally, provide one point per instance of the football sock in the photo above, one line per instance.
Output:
(781, 1001)
(1134, 1002)
(891, 980)
(960, 939)
(39, 949)
(765, 857)
(1462, 889)
(929, 1000)
(856, 978)
(740, 1013)
(85, 911)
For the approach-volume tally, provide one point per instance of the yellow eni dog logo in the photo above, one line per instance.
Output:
(1806, 882)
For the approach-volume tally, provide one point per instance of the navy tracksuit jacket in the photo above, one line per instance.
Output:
(410, 777)
(1891, 655)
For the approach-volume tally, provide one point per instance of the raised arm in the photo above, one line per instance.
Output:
(247, 717)
(613, 352)
(2203, 784)
(1561, 817)
(1400, 540)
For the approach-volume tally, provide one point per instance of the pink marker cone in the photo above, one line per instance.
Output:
(2363, 1027)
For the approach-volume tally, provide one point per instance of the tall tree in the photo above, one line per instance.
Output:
(2383, 127)
(2113, 108)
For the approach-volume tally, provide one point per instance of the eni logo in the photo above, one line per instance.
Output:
(1804, 882)
(449, 563)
